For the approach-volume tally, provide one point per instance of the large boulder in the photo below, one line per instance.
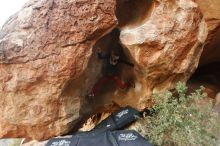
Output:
(165, 45)
(44, 75)
(48, 59)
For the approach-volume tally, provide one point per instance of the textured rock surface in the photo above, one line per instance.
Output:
(44, 50)
(47, 65)
(165, 46)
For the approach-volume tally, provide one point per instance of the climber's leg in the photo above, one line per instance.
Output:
(121, 84)
(99, 85)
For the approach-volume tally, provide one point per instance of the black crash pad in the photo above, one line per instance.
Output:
(108, 138)
(119, 119)
(104, 134)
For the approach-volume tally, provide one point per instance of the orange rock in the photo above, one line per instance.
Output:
(48, 59)
(165, 46)
(44, 51)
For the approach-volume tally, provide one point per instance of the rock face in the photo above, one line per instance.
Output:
(48, 58)
(44, 50)
(165, 46)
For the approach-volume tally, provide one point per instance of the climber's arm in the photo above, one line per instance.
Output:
(126, 62)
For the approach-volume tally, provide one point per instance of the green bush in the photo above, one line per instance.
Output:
(181, 120)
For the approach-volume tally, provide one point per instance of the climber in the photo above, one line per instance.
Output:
(111, 60)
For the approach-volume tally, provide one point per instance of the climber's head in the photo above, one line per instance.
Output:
(114, 58)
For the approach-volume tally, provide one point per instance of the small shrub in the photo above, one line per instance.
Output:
(181, 121)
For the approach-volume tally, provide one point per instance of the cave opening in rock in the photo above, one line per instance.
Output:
(123, 71)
